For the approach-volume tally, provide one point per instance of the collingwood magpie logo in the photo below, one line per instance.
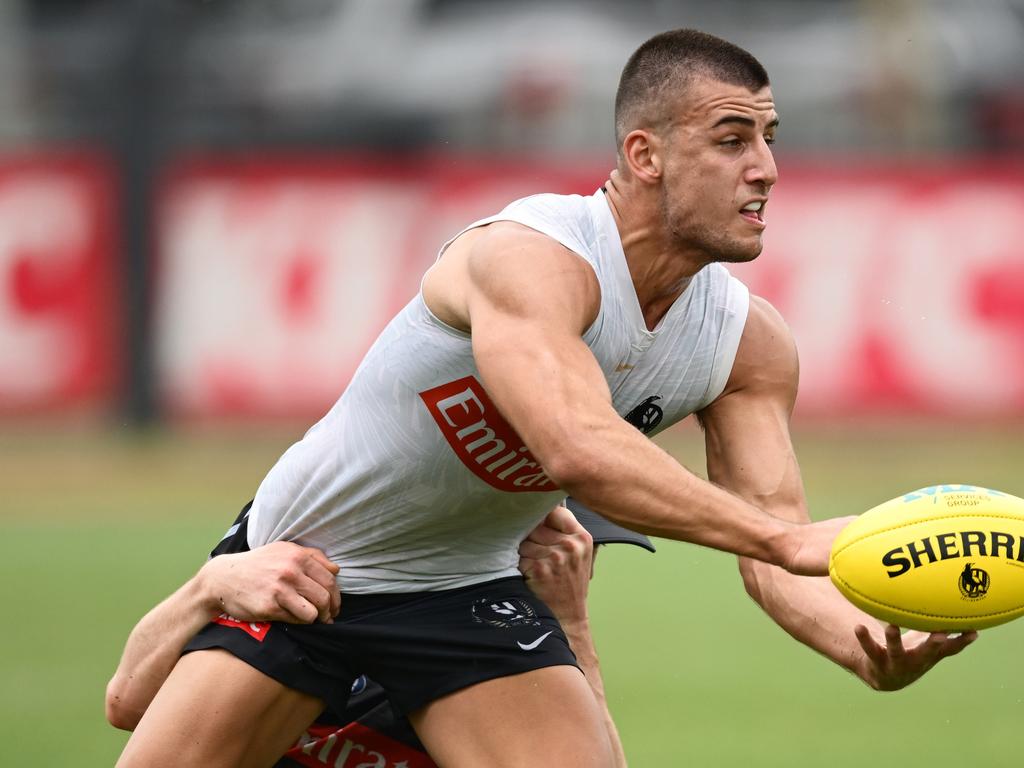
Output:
(973, 582)
(512, 612)
(647, 415)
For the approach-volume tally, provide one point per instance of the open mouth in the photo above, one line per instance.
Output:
(754, 211)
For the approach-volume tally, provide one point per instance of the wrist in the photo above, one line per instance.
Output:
(866, 672)
(782, 542)
(577, 632)
(201, 593)
(576, 625)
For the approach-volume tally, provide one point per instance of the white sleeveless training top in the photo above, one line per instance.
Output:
(413, 481)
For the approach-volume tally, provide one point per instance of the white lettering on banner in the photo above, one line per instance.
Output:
(43, 233)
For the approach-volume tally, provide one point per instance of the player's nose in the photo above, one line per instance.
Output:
(762, 169)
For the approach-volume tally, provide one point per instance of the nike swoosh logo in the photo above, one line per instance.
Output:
(624, 367)
(535, 643)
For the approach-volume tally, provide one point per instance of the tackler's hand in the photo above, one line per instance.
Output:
(557, 560)
(281, 581)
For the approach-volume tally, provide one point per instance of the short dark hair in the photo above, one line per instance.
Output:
(671, 60)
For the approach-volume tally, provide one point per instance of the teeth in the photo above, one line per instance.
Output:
(756, 206)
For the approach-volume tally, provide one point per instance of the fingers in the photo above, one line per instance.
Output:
(540, 562)
(533, 550)
(956, 644)
(322, 571)
(939, 645)
(560, 528)
(559, 523)
(894, 641)
(297, 609)
(873, 650)
(318, 596)
(557, 548)
(951, 646)
(527, 567)
(905, 658)
(335, 601)
(561, 519)
(321, 558)
(305, 583)
(546, 536)
(881, 655)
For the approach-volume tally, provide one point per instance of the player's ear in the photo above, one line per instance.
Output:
(642, 153)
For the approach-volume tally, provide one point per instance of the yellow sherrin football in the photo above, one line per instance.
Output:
(945, 558)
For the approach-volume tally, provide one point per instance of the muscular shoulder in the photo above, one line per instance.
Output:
(766, 360)
(514, 269)
(508, 250)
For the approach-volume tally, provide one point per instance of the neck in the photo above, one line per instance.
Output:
(660, 269)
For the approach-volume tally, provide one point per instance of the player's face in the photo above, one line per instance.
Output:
(719, 169)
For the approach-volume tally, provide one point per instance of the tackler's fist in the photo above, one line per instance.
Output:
(557, 560)
(281, 581)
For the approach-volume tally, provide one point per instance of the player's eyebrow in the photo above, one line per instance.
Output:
(740, 120)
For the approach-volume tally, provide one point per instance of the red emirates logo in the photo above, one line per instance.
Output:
(255, 629)
(482, 439)
(352, 746)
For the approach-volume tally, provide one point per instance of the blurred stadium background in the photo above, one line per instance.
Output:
(208, 210)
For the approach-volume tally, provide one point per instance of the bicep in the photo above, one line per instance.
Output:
(529, 301)
(749, 447)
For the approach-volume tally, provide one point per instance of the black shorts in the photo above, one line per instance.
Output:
(418, 646)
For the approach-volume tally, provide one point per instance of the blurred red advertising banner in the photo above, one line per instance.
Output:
(904, 287)
(275, 277)
(59, 310)
(903, 284)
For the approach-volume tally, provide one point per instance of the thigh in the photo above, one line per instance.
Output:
(216, 710)
(547, 716)
(422, 647)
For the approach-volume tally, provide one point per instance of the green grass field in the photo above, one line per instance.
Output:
(98, 527)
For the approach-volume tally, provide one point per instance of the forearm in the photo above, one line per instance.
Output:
(633, 482)
(557, 559)
(277, 582)
(811, 610)
(152, 650)
(578, 633)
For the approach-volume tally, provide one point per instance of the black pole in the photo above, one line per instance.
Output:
(137, 154)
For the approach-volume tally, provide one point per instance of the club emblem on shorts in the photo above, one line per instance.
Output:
(647, 415)
(973, 582)
(511, 612)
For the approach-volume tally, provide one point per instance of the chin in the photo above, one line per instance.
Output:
(739, 255)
